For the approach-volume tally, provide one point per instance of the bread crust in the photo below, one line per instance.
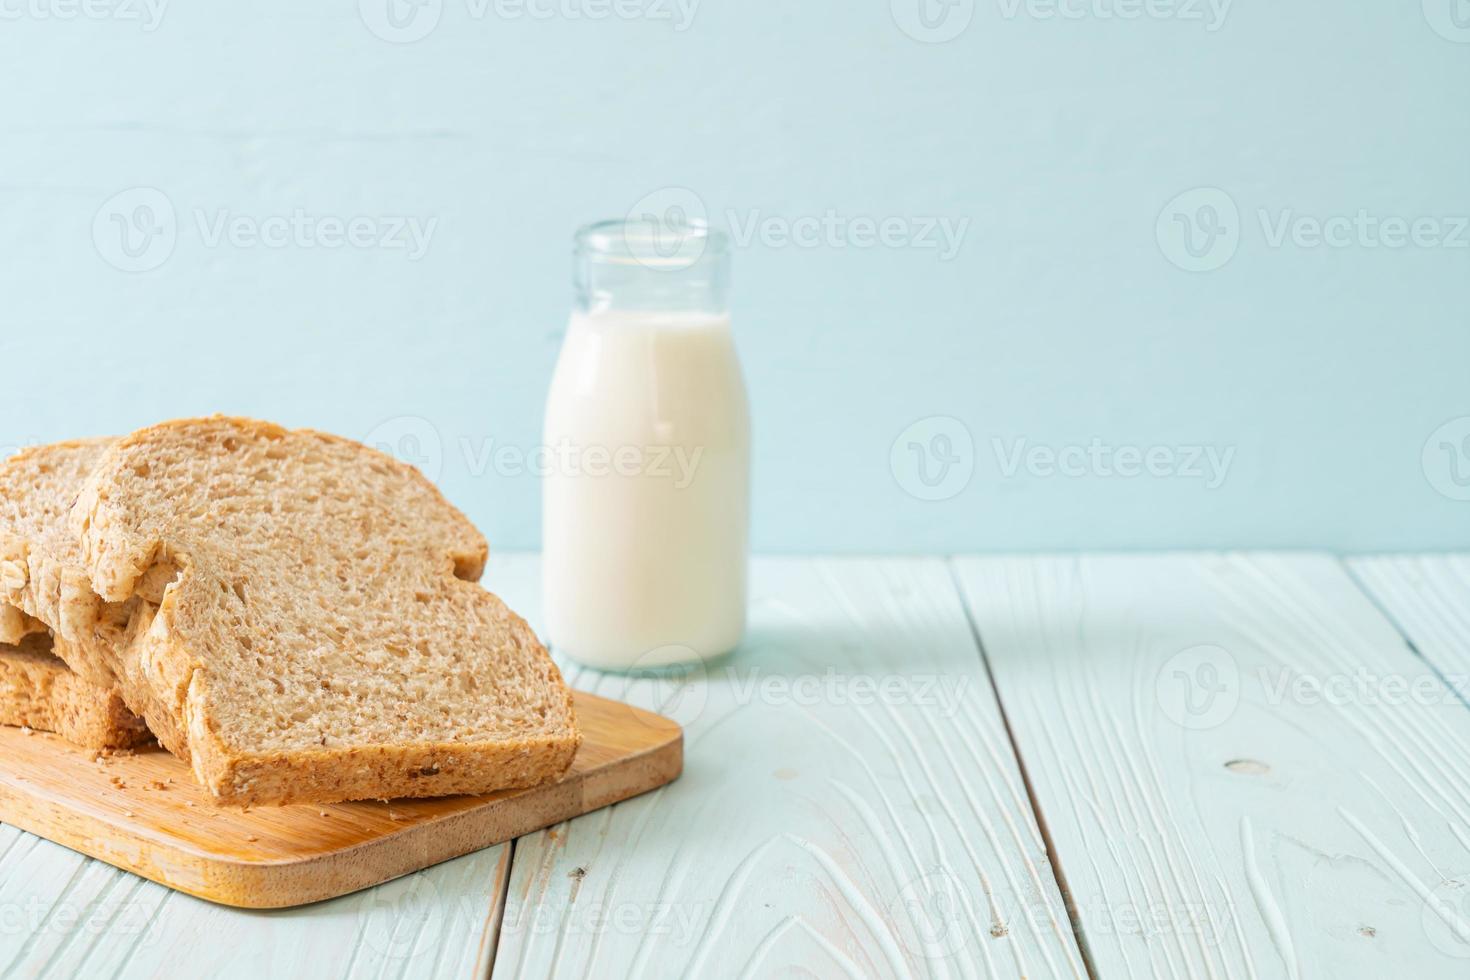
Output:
(38, 691)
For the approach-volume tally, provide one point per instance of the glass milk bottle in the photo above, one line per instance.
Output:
(646, 499)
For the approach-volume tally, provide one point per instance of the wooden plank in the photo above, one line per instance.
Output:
(1244, 770)
(143, 812)
(1428, 596)
(65, 915)
(850, 805)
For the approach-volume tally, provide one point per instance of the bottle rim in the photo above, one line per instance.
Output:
(650, 241)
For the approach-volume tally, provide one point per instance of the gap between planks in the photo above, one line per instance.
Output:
(1058, 872)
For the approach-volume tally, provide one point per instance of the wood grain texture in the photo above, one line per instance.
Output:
(64, 915)
(850, 805)
(144, 813)
(1428, 596)
(1244, 769)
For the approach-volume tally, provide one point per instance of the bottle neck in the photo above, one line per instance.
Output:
(638, 266)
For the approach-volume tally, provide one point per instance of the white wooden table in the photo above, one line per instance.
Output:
(1201, 766)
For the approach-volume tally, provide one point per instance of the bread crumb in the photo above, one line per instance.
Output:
(324, 813)
(129, 813)
(252, 838)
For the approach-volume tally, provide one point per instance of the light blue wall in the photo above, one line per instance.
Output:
(1064, 317)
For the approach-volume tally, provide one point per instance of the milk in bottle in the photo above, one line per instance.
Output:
(646, 495)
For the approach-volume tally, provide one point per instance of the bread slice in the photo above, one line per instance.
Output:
(38, 691)
(321, 636)
(44, 584)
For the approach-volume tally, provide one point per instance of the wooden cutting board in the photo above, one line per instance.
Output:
(143, 813)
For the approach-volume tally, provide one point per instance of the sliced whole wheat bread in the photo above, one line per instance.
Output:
(320, 636)
(43, 583)
(38, 691)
